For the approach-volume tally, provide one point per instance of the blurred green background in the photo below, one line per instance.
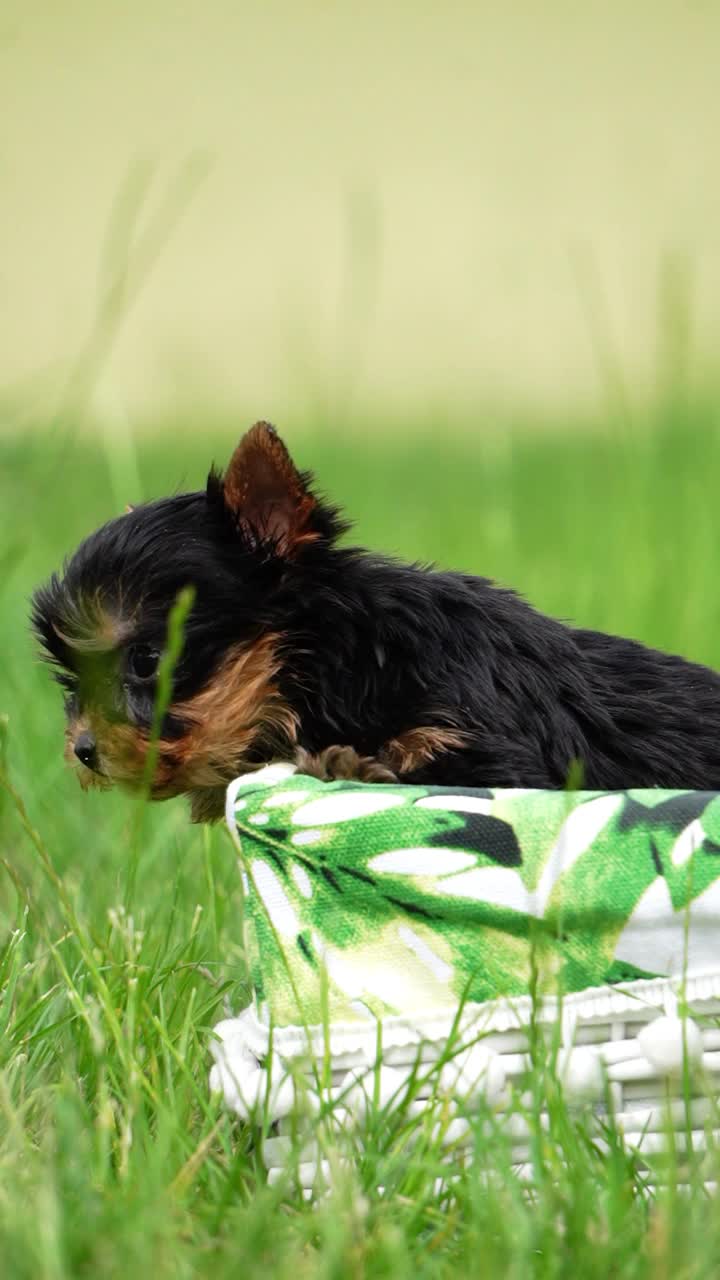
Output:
(328, 211)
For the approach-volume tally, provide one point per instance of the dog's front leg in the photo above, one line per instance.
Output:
(338, 763)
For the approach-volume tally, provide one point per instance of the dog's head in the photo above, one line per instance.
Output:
(103, 624)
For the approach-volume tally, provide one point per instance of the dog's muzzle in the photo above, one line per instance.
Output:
(85, 749)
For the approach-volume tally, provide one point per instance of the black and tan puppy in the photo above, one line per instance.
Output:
(348, 662)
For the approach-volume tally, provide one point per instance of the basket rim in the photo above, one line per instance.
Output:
(634, 1002)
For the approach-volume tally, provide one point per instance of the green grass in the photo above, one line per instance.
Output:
(120, 943)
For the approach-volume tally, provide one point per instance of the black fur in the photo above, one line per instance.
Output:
(372, 648)
(378, 647)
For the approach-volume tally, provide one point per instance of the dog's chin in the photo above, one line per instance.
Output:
(90, 780)
(207, 802)
(207, 805)
(96, 780)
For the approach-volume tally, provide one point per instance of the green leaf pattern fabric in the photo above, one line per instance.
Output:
(366, 901)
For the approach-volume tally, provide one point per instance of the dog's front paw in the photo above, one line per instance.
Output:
(335, 763)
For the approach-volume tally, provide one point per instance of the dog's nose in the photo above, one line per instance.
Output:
(85, 749)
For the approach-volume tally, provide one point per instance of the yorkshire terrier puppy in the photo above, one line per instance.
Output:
(348, 662)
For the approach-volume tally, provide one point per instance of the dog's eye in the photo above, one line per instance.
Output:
(142, 661)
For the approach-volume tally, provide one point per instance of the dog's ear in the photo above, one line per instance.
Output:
(268, 498)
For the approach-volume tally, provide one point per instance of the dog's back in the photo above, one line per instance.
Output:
(529, 695)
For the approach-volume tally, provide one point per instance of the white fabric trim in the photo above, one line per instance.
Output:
(635, 1001)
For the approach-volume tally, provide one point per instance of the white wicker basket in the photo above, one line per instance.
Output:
(628, 1052)
(640, 1058)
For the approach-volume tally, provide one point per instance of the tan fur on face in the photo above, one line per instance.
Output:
(417, 747)
(241, 704)
(225, 720)
(93, 630)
